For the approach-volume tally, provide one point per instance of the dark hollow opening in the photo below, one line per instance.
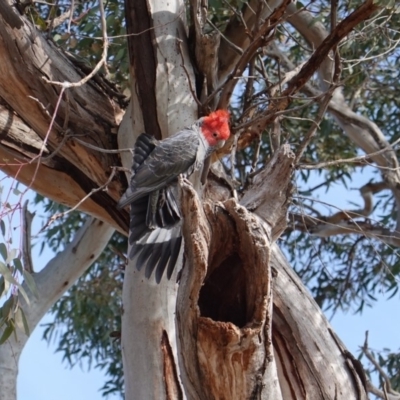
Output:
(223, 295)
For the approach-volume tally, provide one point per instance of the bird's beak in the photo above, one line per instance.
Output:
(221, 144)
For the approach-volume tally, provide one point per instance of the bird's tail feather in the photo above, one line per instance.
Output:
(155, 229)
(158, 251)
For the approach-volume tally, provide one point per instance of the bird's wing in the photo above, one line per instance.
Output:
(158, 250)
(171, 157)
(155, 164)
(144, 145)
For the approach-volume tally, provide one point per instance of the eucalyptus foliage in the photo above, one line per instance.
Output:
(342, 272)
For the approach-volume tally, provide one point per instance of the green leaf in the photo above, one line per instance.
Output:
(30, 282)
(385, 3)
(3, 251)
(3, 227)
(88, 27)
(2, 287)
(6, 286)
(20, 321)
(18, 265)
(6, 310)
(24, 294)
(11, 255)
(7, 333)
(25, 322)
(7, 274)
(121, 54)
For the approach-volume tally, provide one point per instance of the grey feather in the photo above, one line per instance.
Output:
(169, 158)
(175, 245)
(163, 237)
(155, 231)
(137, 232)
(143, 255)
(164, 258)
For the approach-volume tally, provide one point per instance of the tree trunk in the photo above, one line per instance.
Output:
(234, 321)
(162, 104)
(51, 282)
(231, 338)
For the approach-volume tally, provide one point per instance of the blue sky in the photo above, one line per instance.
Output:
(43, 374)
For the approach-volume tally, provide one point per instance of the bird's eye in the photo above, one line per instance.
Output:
(215, 134)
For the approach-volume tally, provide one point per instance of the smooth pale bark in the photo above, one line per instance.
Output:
(148, 322)
(226, 347)
(294, 356)
(362, 131)
(312, 362)
(52, 282)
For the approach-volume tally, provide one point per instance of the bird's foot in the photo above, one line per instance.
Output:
(184, 180)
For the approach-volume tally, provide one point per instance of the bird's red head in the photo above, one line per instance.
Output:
(215, 127)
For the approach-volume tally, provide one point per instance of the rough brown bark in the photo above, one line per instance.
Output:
(143, 61)
(247, 326)
(26, 107)
(224, 302)
(311, 360)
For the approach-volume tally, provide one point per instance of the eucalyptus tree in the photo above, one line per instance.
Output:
(309, 87)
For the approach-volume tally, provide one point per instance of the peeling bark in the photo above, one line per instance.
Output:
(149, 309)
(224, 301)
(86, 112)
(224, 298)
(307, 353)
(245, 327)
(172, 384)
(232, 344)
(55, 179)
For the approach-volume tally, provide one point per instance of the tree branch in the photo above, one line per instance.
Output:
(26, 57)
(315, 61)
(52, 282)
